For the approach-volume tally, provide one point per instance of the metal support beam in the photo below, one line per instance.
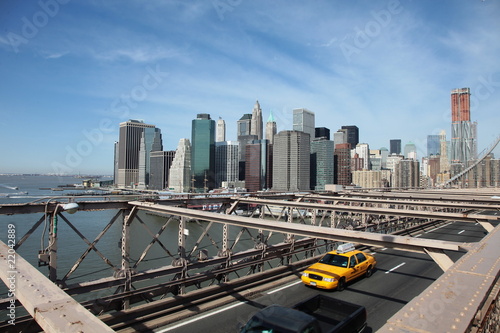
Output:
(51, 307)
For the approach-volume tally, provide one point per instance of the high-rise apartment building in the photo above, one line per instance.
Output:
(271, 128)
(407, 174)
(342, 164)
(203, 152)
(221, 130)
(322, 171)
(303, 121)
(352, 134)
(256, 123)
(463, 131)
(291, 161)
(258, 166)
(129, 146)
(444, 163)
(179, 178)
(226, 162)
(395, 146)
(160, 161)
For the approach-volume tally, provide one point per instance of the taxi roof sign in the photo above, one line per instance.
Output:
(347, 247)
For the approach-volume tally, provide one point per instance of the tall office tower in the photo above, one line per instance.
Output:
(433, 167)
(244, 125)
(203, 152)
(303, 121)
(291, 161)
(258, 166)
(322, 171)
(340, 136)
(244, 137)
(161, 161)
(342, 164)
(410, 151)
(256, 125)
(363, 150)
(433, 144)
(378, 158)
(150, 141)
(463, 132)
(221, 130)
(128, 151)
(444, 163)
(179, 177)
(407, 174)
(115, 167)
(226, 162)
(395, 147)
(352, 135)
(271, 128)
(322, 132)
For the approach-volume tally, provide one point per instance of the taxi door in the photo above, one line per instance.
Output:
(353, 269)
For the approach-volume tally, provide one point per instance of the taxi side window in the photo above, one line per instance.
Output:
(361, 257)
(352, 261)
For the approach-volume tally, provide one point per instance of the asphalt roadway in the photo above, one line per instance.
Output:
(399, 277)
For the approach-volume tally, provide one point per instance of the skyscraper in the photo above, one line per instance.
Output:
(342, 164)
(352, 134)
(256, 124)
(463, 132)
(161, 161)
(271, 128)
(258, 172)
(203, 152)
(363, 150)
(151, 141)
(340, 137)
(407, 174)
(433, 144)
(410, 151)
(395, 147)
(303, 121)
(179, 178)
(443, 144)
(322, 171)
(322, 132)
(129, 145)
(221, 130)
(291, 161)
(226, 162)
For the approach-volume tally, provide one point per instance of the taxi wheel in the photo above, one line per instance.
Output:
(369, 272)
(341, 284)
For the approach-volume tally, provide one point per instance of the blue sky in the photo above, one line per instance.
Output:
(71, 71)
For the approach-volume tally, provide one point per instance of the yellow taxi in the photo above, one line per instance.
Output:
(336, 268)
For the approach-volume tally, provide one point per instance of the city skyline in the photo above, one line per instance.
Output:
(68, 84)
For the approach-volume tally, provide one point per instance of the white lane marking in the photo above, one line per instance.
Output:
(395, 268)
(284, 287)
(461, 232)
(444, 225)
(201, 317)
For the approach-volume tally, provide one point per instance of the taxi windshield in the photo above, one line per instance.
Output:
(334, 260)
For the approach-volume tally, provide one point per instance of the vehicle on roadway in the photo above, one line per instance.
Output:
(318, 314)
(336, 268)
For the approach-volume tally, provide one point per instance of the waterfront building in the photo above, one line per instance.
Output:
(433, 145)
(226, 162)
(129, 146)
(203, 153)
(463, 131)
(322, 171)
(221, 130)
(271, 128)
(303, 121)
(258, 166)
(395, 146)
(352, 132)
(407, 174)
(160, 161)
(342, 164)
(179, 178)
(291, 161)
(256, 122)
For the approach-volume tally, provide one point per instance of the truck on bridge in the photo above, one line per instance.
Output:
(319, 314)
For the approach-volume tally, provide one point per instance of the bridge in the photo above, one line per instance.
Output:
(172, 260)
